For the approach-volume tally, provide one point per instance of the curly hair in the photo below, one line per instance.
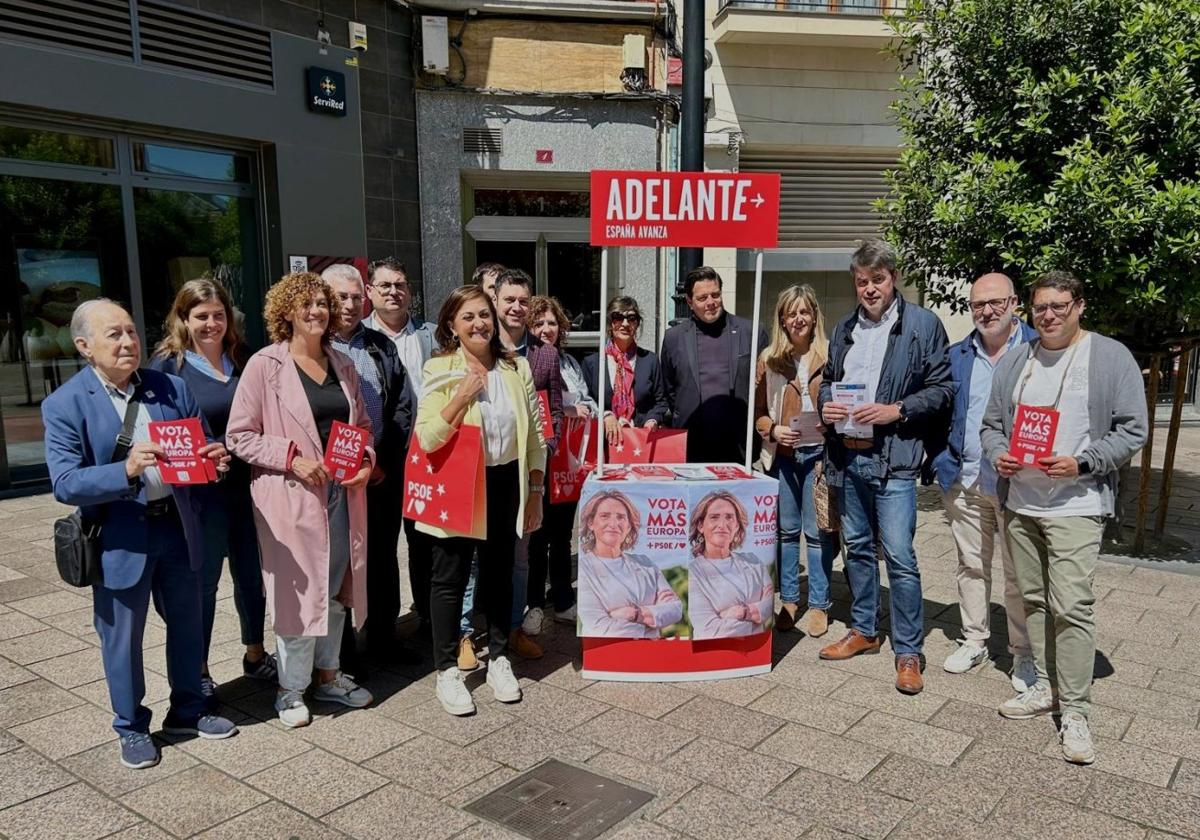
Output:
(696, 539)
(587, 537)
(539, 305)
(288, 295)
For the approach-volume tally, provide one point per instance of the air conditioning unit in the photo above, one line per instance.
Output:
(435, 44)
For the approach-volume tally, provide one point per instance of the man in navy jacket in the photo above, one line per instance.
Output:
(968, 482)
(151, 533)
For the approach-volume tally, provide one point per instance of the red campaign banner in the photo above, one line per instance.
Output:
(344, 451)
(642, 446)
(544, 414)
(1033, 433)
(446, 488)
(182, 440)
(685, 209)
(574, 459)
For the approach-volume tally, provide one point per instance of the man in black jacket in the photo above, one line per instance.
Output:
(388, 399)
(706, 367)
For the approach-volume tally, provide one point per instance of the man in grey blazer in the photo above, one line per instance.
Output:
(706, 368)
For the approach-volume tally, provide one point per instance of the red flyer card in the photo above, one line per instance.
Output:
(544, 413)
(726, 472)
(1034, 427)
(655, 472)
(181, 440)
(344, 451)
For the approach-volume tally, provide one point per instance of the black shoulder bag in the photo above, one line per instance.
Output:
(76, 539)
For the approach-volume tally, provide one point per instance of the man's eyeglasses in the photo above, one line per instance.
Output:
(388, 288)
(1059, 308)
(624, 317)
(995, 304)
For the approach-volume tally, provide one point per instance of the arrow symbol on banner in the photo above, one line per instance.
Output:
(758, 200)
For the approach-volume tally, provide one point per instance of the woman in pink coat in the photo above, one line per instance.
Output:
(312, 530)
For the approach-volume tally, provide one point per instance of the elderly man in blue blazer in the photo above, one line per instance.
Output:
(151, 536)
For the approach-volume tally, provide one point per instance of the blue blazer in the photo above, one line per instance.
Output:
(81, 433)
(649, 390)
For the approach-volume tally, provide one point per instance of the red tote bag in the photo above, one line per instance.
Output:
(446, 488)
(642, 446)
(573, 460)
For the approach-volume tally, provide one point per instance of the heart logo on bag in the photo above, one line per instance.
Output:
(419, 505)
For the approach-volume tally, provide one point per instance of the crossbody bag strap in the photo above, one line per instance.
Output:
(125, 438)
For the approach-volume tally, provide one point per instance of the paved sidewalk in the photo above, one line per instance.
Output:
(819, 750)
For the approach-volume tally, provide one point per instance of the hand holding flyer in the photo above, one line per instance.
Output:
(1033, 433)
(181, 441)
(808, 425)
(344, 451)
(851, 395)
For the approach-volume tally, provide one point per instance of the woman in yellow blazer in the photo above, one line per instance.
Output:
(475, 381)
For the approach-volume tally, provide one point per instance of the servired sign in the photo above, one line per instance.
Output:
(685, 209)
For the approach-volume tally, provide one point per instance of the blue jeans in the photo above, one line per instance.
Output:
(883, 512)
(798, 515)
(229, 530)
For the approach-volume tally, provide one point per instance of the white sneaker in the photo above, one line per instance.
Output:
(343, 690)
(532, 625)
(566, 616)
(1024, 672)
(500, 677)
(1076, 740)
(291, 709)
(1039, 700)
(968, 655)
(452, 692)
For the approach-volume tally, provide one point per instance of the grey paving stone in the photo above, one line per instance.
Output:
(14, 624)
(723, 721)
(919, 740)
(1187, 778)
(271, 819)
(79, 622)
(546, 705)
(396, 811)
(985, 724)
(1177, 682)
(802, 670)
(669, 786)
(12, 591)
(51, 603)
(1127, 760)
(45, 644)
(254, 748)
(883, 697)
(316, 782)
(1026, 772)
(924, 824)
(942, 788)
(25, 774)
(820, 832)
(140, 831)
(642, 830)
(96, 693)
(557, 669)
(623, 731)
(709, 813)
(357, 735)
(12, 674)
(488, 831)
(101, 768)
(1165, 736)
(741, 691)
(839, 804)
(67, 732)
(1144, 601)
(432, 719)
(730, 767)
(431, 766)
(75, 812)
(191, 801)
(8, 743)
(71, 670)
(647, 699)
(1180, 657)
(1141, 701)
(521, 746)
(477, 788)
(812, 710)
(821, 751)
(1039, 816)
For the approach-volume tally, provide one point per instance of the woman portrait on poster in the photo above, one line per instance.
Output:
(730, 593)
(621, 595)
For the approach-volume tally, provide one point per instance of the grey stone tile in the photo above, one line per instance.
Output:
(1187, 779)
(1165, 736)
(919, 740)
(12, 591)
(545, 705)
(8, 743)
(51, 603)
(1184, 657)
(96, 693)
(72, 813)
(1177, 682)
(14, 624)
(812, 710)
(623, 731)
(357, 736)
(803, 671)
(431, 766)
(68, 732)
(557, 669)
(668, 786)
(1127, 760)
(477, 788)
(1128, 672)
(73, 669)
(818, 750)
(101, 768)
(189, 802)
(729, 767)
(12, 674)
(272, 819)
(254, 748)
(643, 830)
(488, 831)
(941, 788)
(741, 691)
(840, 805)
(1106, 722)
(709, 813)
(1141, 701)
(985, 724)
(981, 692)
(396, 811)
(820, 832)
(316, 782)
(432, 719)
(648, 699)
(883, 697)
(1026, 772)
(924, 824)
(723, 721)
(79, 622)
(31, 700)
(1143, 601)
(140, 831)
(521, 746)
(1039, 816)
(25, 774)
(45, 644)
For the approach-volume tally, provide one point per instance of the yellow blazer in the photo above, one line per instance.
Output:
(441, 376)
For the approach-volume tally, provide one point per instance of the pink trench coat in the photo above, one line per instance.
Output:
(270, 413)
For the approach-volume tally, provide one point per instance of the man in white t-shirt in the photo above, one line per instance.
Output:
(1083, 414)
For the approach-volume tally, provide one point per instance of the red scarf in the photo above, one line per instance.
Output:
(622, 399)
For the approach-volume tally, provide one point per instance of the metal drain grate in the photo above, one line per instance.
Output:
(555, 801)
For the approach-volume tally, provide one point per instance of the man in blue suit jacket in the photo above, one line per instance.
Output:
(151, 535)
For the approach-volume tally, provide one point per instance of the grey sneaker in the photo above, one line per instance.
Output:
(1076, 739)
(1024, 672)
(208, 727)
(292, 711)
(343, 690)
(138, 751)
(1039, 700)
(968, 655)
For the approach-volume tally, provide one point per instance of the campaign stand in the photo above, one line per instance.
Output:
(683, 209)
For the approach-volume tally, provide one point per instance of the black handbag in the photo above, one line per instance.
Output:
(76, 537)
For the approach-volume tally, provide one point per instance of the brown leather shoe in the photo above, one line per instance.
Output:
(523, 646)
(852, 644)
(786, 619)
(815, 622)
(908, 674)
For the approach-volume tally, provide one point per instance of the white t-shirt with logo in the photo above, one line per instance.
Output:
(1031, 491)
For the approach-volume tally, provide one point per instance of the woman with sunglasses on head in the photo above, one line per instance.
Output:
(634, 391)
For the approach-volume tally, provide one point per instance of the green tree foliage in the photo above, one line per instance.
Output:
(1043, 134)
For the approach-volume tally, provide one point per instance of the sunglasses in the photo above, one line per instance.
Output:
(627, 317)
